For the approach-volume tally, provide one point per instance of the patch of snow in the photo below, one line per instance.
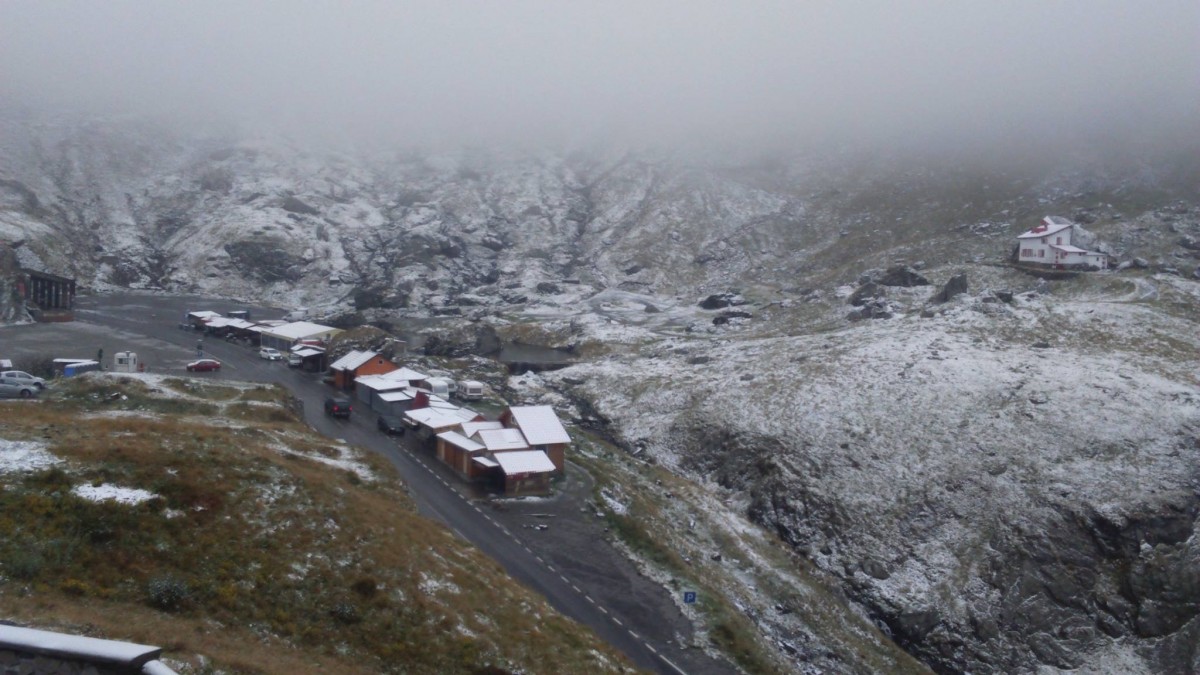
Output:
(106, 492)
(24, 456)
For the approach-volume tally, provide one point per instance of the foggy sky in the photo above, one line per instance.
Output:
(624, 71)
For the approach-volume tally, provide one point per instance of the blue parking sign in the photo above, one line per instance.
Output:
(689, 597)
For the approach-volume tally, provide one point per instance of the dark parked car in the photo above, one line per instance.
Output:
(203, 365)
(338, 406)
(391, 425)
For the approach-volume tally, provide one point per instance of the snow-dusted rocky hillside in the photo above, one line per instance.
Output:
(1005, 481)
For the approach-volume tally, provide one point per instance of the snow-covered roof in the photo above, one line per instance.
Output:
(393, 396)
(470, 383)
(298, 330)
(240, 323)
(405, 373)
(1049, 226)
(524, 461)
(1067, 249)
(352, 360)
(379, 383)
(500, 440)
(469, 428)
(217, 322)
(485, 462)
(440, 418)
(539, 424)
(204, 314)
(439, 402)
(456, 439)
(305, 352)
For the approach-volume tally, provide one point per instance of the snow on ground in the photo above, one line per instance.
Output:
(24, 456)
(959, 415)
(343, 461)
(107, 492)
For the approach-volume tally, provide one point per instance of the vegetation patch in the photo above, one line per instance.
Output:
(258, 560)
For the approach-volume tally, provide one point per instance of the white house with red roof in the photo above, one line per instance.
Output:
(1050, 244)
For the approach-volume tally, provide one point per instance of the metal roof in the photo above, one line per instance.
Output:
(1067, 249)
(405, 373)
(352, 360)
(485, 462)
(500, 440)
(379, 383)
(393, 396)
(457, 439)
(204, 314)
(539, 424)
(469, 428)
(524, 461)
(1050, 225)
(306, 352)
(440, 418)
(298, 330)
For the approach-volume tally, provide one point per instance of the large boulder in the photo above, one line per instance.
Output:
(722, 300)
(865, 293)
(957, 285)
(902, 275)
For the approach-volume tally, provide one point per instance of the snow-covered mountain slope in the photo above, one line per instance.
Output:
(1005, 483)
(1004, 486)
(128, 203)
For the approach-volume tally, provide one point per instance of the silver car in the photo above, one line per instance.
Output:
(20, 377)
(17, 390)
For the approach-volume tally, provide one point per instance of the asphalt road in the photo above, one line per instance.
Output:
(554, 546)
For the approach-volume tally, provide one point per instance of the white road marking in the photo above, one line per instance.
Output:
(673, 666)
(651, 648)
(617, 621)
(589, 599)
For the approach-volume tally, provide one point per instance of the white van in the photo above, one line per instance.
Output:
(470, 390)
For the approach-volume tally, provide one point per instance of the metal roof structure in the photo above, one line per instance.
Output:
(352, 360)
(469, 428)
(441, 418)
(298, 330)
(524, 461)
(380, 383)
(1050, 225)
(540, 424)
(501, 440)
(458, 440)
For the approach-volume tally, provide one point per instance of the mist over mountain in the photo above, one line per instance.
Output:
(995, 466)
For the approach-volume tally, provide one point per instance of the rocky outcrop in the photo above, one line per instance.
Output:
(865, 293)
(903, 276)
(957, 285)
(1054, 583)
(722, 300)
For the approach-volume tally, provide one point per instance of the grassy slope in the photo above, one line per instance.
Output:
(265, 550)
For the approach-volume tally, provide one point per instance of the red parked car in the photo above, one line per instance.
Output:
(203, 366)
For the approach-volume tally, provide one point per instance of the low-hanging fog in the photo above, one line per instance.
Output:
(713, 75)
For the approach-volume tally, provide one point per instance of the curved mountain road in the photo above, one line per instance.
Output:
(548, 545)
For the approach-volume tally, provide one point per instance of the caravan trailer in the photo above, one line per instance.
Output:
(438, 386)
(470, 390)
(125, 362)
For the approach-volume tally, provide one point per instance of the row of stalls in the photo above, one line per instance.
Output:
(305, 341)
(518, 453)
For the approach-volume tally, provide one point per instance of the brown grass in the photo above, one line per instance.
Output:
(276, 563)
